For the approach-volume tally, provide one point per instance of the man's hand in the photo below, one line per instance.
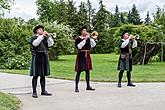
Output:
(46, 34)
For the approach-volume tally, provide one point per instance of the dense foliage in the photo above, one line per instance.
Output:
(64, 19)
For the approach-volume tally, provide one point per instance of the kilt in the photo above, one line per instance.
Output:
(83, 61)
(125, 63)
(40, 65)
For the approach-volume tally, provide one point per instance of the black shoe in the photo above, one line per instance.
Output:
(34, 95)
(130, 84)
(46, 93)
(90, 88)
(76, 90)
(119, 85)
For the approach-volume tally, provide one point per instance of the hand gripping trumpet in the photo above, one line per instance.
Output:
(134, 37)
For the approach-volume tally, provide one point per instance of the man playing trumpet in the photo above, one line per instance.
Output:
(127, 43)
(40, 43)
(83, 61)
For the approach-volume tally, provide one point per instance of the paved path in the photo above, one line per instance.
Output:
(145, 96)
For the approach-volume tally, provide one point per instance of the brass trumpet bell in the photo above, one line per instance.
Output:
(134, 37)
(94, 34)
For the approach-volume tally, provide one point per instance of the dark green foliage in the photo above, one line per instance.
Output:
(14, 44)
(147, 19)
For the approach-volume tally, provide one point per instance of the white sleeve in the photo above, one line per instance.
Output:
(37, 41)
(92, 42)
(81, 44)
(125, 43)
(50, 41)
(134, 44)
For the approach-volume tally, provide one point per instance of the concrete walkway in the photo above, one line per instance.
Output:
(145, 96)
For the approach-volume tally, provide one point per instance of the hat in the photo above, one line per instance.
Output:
(84, 27)
(37, 27)
(124, 33)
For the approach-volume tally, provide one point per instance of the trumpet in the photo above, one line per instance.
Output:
(94, 34)
(134, 37)
(51, 34)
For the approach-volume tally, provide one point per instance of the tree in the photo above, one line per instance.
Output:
(117, 17)
(129, 17)
(157, 16)
(122, 19)
(100, 19)
(82, 15)
(147, 19)
(5, 5)
(100, 23)
(61, 12)
(71, 15)
(111, 20)
(45, 10)
(90, 14)
(134, 16)
(159, 24)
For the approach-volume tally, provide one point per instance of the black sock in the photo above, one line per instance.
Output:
(120, 76)
(42, 82)
(34, 83)
(129, 76)
(87, 78)
(77, 78)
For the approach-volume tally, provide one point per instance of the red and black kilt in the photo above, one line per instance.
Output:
(83, 61)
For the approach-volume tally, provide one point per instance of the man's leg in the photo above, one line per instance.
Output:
(34, 86)
(120, 78)
(77, 78)
(43, 83)
(129, 79)
(88, 80)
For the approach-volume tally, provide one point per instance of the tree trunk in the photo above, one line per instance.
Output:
(145, 51)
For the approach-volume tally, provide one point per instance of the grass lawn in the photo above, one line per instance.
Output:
(104, 69)
(8, 102)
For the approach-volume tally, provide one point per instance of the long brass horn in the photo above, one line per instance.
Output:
(94, 34)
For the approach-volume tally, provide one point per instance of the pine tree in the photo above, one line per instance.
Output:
(122, 19)
(157, 15)
(117, 17)
(82, 15)
(135, 16)
(100, 20)
(90, 14)
(147, 19)
(129, 18)
(44, 10)
(72, 17)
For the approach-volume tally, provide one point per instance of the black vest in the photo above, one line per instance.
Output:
(42, 47)
(128, 48)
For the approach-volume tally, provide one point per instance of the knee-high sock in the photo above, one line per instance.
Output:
(42, 82)
(120, 76)
(34, 83)
(87, 78)
(129, 76)
(77, 78)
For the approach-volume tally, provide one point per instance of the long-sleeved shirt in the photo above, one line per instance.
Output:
(83, 42)
(126, 42)
(37, 41)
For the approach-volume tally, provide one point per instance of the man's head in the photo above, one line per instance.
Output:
(83, 31)
(125, 35)
(38, 30)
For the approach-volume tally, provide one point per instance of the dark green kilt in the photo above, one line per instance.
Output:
(40, 65)
(125, 63)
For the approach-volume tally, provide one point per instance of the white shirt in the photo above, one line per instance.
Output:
(37, 41)
(82, 43)
(126, 42)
